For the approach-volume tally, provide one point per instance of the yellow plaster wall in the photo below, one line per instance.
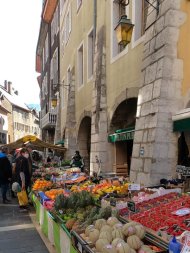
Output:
(184, 47)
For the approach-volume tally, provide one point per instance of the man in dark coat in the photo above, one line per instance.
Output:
(5, 173)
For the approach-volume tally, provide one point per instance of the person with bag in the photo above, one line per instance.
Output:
(5, 173)
(23, 176)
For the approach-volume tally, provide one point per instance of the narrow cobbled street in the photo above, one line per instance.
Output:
(17, 232)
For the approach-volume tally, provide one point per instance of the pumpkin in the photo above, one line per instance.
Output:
(106, 228)
(94, 235)
(123, 247)
(116, 233)
(116, 241)
(140, 231)
(134, 242)
(145, 249)
(112, 221)
(128, 230)
(106, 235)
(100, 223)
(108, 249)
(87, 230)
(118, 226)
(100, 243)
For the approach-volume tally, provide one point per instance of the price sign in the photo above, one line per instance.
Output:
(134, 187)
(131, 206)
(186, 246)
(112, 202)
(79, 246)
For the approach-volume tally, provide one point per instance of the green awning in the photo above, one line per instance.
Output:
(181, 125)
(122, 135)
(60, 142)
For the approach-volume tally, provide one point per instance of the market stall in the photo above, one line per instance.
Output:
(68, 202)
(36, 143)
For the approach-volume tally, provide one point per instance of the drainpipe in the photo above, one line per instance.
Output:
(94, 24)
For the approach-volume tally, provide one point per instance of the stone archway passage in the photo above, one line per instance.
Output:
(122, 126)
(84, 140)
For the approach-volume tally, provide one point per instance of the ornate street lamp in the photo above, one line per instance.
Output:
(124, 31)
(54, 102)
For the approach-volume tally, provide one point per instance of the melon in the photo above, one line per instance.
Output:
(123, 247)
(118, 226)
(100, 223)
(112, 221)
(134, 242)
(116, 233)
(87, 230)
(106, 235)
(145, 249)
(106, 228)
(94, 235)
(116, 241)
(140, 231)
(128, 230)
(108, 249)
(100, 243)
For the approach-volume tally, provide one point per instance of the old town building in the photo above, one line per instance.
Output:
(17, 120)
(47, 56)
(122, 107)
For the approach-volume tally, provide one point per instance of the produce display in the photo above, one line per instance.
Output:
(41, 184)
(53, 193)
(169, 213)
(110, 235)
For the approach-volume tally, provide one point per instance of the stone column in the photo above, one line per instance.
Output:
(155, 145)
(70, 131)
(99, 133)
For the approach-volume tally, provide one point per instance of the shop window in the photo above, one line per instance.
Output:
(80, 66)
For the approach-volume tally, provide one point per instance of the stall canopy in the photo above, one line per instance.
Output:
(122, 135)
(36, 142)
(181, 121)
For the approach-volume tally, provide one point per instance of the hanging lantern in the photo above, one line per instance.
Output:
(124, 30)
(54, 102)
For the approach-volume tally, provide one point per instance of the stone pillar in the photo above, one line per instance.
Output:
(70, 130)
(155, 145)
(99, 131)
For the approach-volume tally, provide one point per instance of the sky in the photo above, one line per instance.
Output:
(19, 30)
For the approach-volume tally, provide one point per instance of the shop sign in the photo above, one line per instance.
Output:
(131, 206)
(183, 170)
(124, 136)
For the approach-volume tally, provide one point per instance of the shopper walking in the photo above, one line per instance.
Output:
(23, 176)
(5, 173)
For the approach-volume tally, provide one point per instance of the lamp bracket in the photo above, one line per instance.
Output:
(56, 85)
(123, 2)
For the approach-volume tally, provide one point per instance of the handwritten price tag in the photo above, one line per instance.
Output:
(186, 246)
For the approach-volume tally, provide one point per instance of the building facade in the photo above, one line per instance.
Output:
(100, 81)
(123, 108)
(19, 120)
(47, 65)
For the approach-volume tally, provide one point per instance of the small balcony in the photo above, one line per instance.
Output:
(48, 121)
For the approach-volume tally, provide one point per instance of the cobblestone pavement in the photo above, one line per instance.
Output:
(17, 232)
